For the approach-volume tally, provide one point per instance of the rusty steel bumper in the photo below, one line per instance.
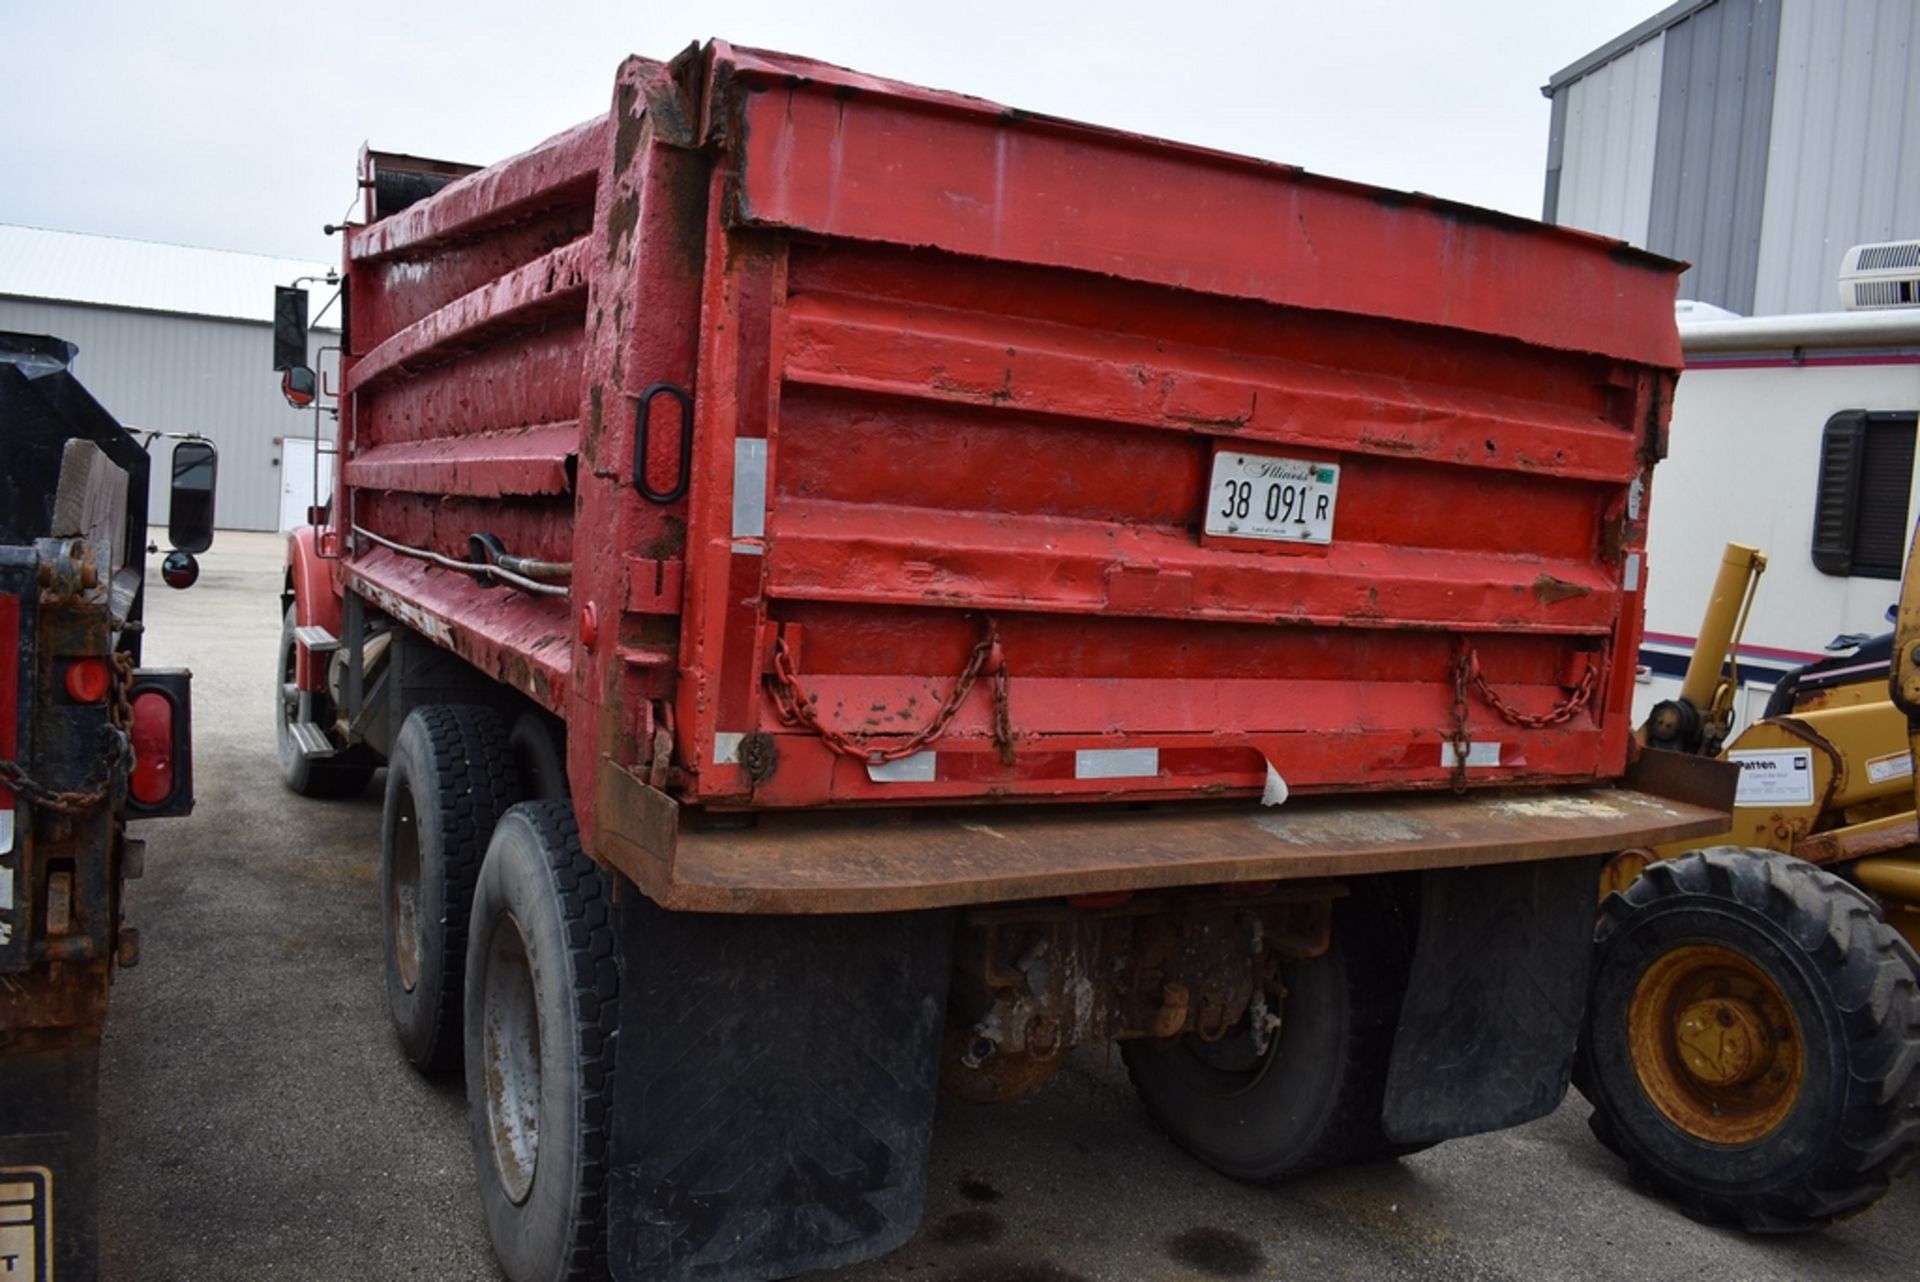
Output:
(884, 861)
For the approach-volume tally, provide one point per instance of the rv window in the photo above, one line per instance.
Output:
(1860, 511)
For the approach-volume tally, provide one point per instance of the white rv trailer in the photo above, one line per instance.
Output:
(1794, 434)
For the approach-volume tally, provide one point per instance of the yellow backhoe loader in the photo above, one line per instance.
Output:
(1752, 1044)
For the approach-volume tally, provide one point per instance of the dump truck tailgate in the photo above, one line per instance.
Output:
(911, 450)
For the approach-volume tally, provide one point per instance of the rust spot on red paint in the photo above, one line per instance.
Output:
(621, 220)
(626, 138)
(1552, 591)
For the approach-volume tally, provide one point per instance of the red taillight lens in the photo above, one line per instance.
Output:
(152, 781)
(88, 680)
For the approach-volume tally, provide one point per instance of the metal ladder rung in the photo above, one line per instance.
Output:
(311, 739)
(316, 639)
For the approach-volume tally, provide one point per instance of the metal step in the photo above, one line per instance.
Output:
(316, 638)
(311, 739)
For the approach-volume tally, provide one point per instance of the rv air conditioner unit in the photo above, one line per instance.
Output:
(1873, 277)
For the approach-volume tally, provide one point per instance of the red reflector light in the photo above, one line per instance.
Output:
(88, 680)
(152, 781)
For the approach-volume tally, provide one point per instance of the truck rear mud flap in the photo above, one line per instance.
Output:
(774, 1105)
(48, 1129)
(1493, 1008)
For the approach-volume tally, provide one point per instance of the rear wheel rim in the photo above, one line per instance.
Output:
(510, 1050)
(1715, 1044)
(403, 891)
(1226, 1067)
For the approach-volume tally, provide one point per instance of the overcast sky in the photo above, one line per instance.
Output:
(236, 125)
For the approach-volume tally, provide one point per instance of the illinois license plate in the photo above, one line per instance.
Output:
(1258, 496)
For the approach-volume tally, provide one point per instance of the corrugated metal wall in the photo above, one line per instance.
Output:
(178, 374)
(1846, 145)
(1710, 166)
(1787, 131)
(1607, 145)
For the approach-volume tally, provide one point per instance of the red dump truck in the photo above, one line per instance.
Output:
(857, 588)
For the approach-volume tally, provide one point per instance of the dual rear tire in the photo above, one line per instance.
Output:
(500, 959)
(1311, 1099)
(449, 781)
(541, 1009)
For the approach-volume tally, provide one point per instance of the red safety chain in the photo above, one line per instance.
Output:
(798, 708)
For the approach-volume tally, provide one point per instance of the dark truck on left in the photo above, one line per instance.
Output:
(88, 740)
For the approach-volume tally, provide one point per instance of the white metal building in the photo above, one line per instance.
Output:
(1756, 139)
(171, 338)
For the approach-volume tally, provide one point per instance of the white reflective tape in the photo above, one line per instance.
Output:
(1479, 755)
(1275, 793)
(749, 549)
(749, 487)
(1636, 495)
(1631, 580)
(1116, 763)
(6, 844)
(915, 769)
(726, 748)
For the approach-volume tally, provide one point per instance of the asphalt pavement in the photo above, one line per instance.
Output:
(258, 1121)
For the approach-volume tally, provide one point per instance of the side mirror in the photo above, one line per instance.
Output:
(190, 512)
(289, 326)
(297, 386)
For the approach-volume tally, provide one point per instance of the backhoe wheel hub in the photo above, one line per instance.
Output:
(1715, 1044)
(1723, 1042)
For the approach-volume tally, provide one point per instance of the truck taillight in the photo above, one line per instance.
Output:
(152, 781)
(88, 680)
(161, 730)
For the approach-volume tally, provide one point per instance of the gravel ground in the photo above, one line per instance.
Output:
(258, 1121)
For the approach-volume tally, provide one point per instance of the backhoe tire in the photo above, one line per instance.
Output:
(344, 774)
(1314, 1100)
(542, 1005)
(1752, 1046)
(450, 779)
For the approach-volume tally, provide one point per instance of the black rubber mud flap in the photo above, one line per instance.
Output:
(1493, 1011)
(774, 1104)
(49, 1111)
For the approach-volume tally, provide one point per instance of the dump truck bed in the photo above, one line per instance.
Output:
(907, 449)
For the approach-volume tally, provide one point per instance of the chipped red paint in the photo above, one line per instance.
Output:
(526, 460)
(951, 362)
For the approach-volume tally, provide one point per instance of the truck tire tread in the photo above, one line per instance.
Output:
(580, 893)
(1374, 952)
(470, 771)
